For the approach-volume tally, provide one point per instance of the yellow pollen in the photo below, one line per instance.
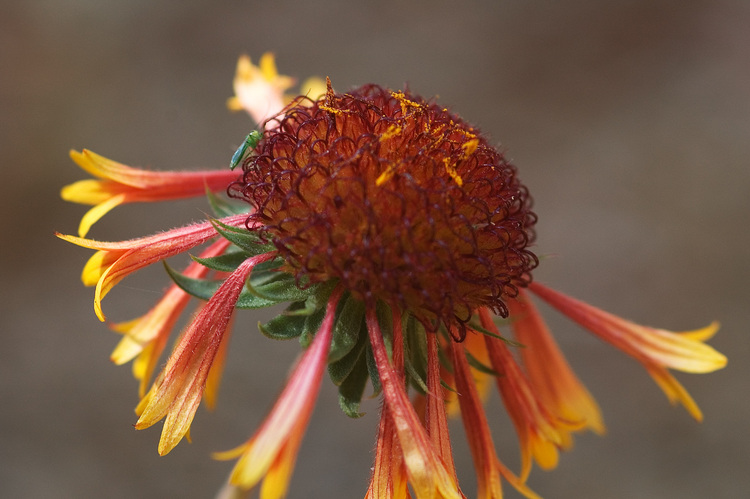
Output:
(451, 170)
(385, 176)
(405, 103)
(332, 110)
(392, 131)
(470, 146)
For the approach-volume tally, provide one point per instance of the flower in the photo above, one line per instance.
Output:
(259, 90)
(396, 235)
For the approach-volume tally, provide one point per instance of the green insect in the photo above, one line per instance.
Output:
(243, 151)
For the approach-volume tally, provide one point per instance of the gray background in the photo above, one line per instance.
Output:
(628, 120)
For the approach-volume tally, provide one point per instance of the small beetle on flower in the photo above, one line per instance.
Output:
(245, 149)
(396, 235)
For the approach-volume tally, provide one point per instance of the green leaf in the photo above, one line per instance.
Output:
(317, 300)
(199, 288)
(415, 353)
(385, 319)
(372, 369)
(303, 308)
(222, 207)
(480, 329)
(479, 366)
(282, 289)
(448, 387)
(346, 330)
(248, 300)
(205, 289)
(416, 379)
(312, 325)
(353, 387)
(283, 327)
(339, 370)
(266, 272)
(242, 237)
(321, 294)
(227, 262)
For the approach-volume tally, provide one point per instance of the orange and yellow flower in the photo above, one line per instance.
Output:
(395, 234)
(260, 90)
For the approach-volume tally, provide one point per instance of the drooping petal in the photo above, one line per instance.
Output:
(144, 338)
(656, 349)
(436, 420)
(116, 260)
(474, 345)
(426, 471)
(213, 381)
(388, 480)
(486, 463)
(550, 374)
(539, 431)
(183, 380)
(122, 184)
(272, 451)
(137, 333)
(97, 212)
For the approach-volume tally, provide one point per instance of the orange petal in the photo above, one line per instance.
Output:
(427, 473)
(116, 260)
(183, 380)
(554, 381)
(122, 184)
(539, 431)
(488, 467)
(388, 480)
(436, 419)
(271, 452)
(656, 349)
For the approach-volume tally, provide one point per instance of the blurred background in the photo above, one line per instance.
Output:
(628, 120)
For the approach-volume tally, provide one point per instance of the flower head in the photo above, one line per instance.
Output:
(397, 198)
(395, 234)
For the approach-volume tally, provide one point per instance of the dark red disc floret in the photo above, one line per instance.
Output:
(395, 197)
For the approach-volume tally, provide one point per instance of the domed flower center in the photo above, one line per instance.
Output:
(395, 197)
